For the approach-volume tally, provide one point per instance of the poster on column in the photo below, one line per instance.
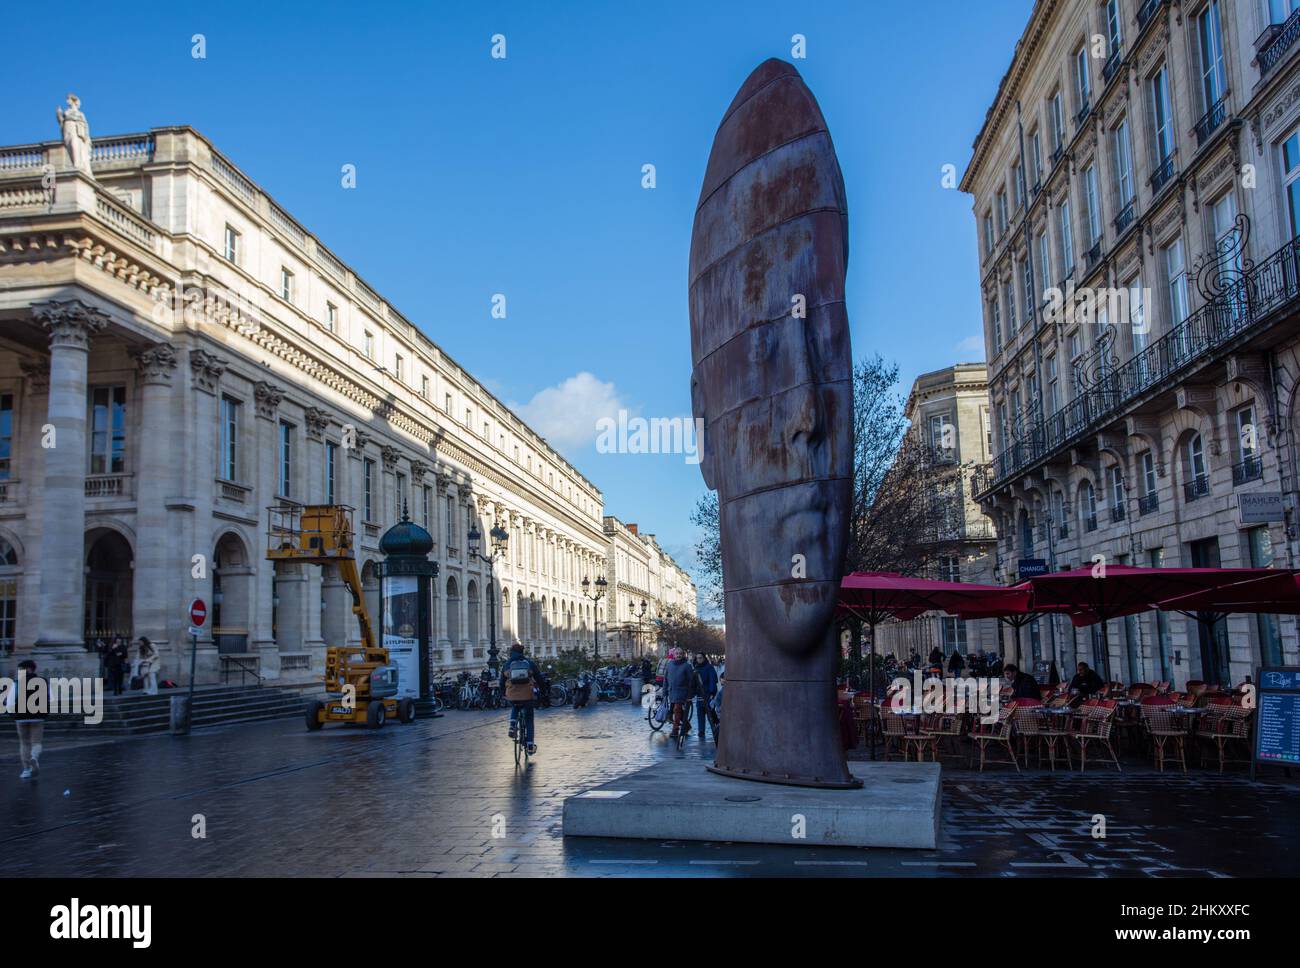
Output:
(402, 631)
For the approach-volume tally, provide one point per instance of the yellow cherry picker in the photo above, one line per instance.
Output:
(360, 681)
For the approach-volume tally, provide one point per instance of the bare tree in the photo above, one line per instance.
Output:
(708, 549)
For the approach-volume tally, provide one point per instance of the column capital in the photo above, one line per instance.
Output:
(391, 455)
(70, 322)
(156, 363)
(316, 420)
(267, 397)
(418, 469)
(206, 370)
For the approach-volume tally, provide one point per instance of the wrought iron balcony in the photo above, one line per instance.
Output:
(1117, 512)
(1147, 11)
(1235, 301)
(1094, 254)
(1037, 187)
(1112, 65)
(1282, 41)
(1162, 175)
(1211, 120)
(1082, 116)
(1125, 218)
(1090, 523)
(1251, 468)
(1148, 502)
(1063, 531)
(1198, 486)
(1057, 153)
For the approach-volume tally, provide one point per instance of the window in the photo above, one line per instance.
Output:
(1053, 393)
(284, 482)
(1044, 258)
(368, 345)
(426, 501)
(1161, 116)
(988, 233)
(368, 489)
(1088, 506)
(447, 405)
(232, 245)
(1247, 436)
(1076, 345)
(941, 446)
(1137, 319)
(987, 424)
(1002, 212)
(399, 367)
(1116, 492)
(469, 418)
(1114, 27)
(6, 435)
(1123, 163)
(1291, 181)
(1067, 238)
(1195, 458)
(1058, 126)
(1017, 186)
(1082, 89)
(1148, 462)
(331, 472)
(1009, 296)
(954, 634)
(424, 387)
(331, 317)
(451, 521)
(1176, 273)
(228, 465)
(996, 316)
(400, 498)
(1270, 638)
(286, 284)
(1036, 157)
(1061, 522)
(108, 430)
(1214, 79)
(1094, 209)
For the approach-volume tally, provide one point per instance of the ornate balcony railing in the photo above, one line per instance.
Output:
(1125, 218)
(1148, 503)
(1083, 113)
(1093, 255)
(1063, 531)
(1057, 154)
(1147, 11)
(1117, 512)
(1112, 64)
(1162, 175)
(1211, 120)
(1198, 486)
(1249, 469)
(1090, 523)
(1238, 295)
(1280, 44)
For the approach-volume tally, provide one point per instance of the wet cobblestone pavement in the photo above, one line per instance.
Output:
(422, 800)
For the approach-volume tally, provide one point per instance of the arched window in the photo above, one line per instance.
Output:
(1088, 506)
(1198, 481)
(453, 612)
(8, 595)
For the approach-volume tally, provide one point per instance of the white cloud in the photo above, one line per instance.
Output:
(566, 414)
(971, 344)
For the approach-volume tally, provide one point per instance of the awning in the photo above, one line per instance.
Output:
(874, 596)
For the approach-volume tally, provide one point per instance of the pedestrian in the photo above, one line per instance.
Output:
(116, 661)
(706, 687)
(30, 720)
(956, 663)
(679, 682)
(936, 656)
(148, 668)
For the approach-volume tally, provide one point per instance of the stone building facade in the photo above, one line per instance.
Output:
(1136, 188)
(949, 410)
(639, 570)
(177, 353)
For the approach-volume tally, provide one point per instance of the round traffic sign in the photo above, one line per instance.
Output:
(198, 612)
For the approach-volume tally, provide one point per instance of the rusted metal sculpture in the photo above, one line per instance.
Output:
(772, 382)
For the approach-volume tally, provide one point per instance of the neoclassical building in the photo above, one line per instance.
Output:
(178, 353)
(640, 571)
(948, 409)
(1136, 188)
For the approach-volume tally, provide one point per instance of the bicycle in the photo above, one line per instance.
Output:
(521, 735)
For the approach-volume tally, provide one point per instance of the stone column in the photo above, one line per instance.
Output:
(157, 451)
(70, 325)
(265, 466)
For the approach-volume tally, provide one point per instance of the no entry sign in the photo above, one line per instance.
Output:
(198, 612)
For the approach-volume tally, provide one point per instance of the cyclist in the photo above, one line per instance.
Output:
(520, 676)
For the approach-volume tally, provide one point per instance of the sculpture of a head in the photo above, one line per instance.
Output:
(772, 362)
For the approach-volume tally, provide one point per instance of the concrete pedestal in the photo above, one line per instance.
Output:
(897, 806)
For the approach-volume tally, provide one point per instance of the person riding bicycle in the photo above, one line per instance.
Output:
(519, 677)
(679, 687)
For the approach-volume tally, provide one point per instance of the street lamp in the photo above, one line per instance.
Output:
(601, 585)
(500, 538)
(640, 616)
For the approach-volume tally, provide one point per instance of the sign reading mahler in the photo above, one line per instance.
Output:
(1260, 507)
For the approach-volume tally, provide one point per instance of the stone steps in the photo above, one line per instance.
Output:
(137, 714)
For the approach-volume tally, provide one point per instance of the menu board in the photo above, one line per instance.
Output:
(1277, 733)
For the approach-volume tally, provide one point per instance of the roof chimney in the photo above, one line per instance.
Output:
(632, 528)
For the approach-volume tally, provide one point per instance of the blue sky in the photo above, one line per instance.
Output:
(522, 176)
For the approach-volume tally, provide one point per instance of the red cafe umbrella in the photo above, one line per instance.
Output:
(1278, 593)
(1014, 611)
(874, 596)
(1101, 593)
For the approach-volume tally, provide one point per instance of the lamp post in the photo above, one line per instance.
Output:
(601, 585)
(640, 616)
(500, 538)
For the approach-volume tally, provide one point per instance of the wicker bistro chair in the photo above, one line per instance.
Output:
(1095, 725)
(941, 727)
(1167, 728)
(1224, 725)
(1045, 730)
(896, 730)
(997, 734)
(864, 710)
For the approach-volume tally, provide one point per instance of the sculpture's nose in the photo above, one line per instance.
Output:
(805, 427)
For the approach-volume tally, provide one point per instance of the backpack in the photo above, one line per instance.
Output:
(519, 681)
